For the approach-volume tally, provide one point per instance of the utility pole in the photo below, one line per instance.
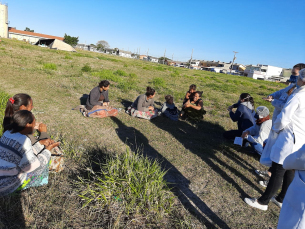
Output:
(173, 57)
(191, 58)
(164, 56)
(233, 61)
(147, 53)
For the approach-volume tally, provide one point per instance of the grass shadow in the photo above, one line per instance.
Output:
(177, 182)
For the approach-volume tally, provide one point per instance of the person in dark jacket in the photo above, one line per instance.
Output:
(244, 116)
(97, 104)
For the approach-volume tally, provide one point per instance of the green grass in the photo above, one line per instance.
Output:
(86, 68)
(50, 66)
(206, 172)
(132, 180)
(4, 97)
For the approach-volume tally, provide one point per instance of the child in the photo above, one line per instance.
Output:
(190, 94)
(23, 165)
(193, 109)
(169, 109)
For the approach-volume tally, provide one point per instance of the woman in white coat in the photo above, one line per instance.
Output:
(293, 211)
(290, 128)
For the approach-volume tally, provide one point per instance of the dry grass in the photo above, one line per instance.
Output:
(210, 177)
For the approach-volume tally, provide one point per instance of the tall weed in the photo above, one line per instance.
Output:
(50, 66)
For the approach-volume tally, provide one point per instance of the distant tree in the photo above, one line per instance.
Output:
(93, 45)
(29, 30)
(101, 45)
(70, 40)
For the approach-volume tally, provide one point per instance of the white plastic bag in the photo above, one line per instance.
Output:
(265, 158)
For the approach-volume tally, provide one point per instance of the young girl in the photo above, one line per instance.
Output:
(194, 109)
(189, 96)
(21, 164)
(97, 104)
(169, 109)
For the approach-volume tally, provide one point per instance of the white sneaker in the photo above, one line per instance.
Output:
(279, 204)
(253, 203)
(264, 183)
(262, 173)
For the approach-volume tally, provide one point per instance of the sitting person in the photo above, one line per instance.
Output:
(169, 109)
(194, 109)
(143, 106)
(257, 134)
(244, 116)
(97, 104)
(189, 96)
(23, 165)
(25, 102)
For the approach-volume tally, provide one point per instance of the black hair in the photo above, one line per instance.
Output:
(104, 83)
(193, 87)
(19, 120)
(149, 91)
(300, 66)
(247, 98)
(198, 92)
(168, 97)
(13, 105)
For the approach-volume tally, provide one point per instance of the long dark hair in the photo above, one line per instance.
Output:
(247, 98)
(13, 105)
(19, 121)
(149, 91)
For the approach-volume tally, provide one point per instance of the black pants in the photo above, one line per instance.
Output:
(231, 134)
(278, 175)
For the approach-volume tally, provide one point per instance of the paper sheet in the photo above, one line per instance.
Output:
(238, 141)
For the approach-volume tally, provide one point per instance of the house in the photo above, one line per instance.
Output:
(169, 62)
(109, 51)
(194, 63)
(207, 63)
(30, 37)
(153, 59)
(262, 71)
(124, 53)
(143, 57)
(82, 46)
(55, 44)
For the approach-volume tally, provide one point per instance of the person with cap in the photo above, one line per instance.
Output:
(290, 129)
(258, 133)
(169, 109)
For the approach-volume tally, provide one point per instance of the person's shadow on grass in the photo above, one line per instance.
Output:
(11, 213)
(177, 182)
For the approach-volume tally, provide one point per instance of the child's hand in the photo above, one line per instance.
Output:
(52, 145)
(42, 127)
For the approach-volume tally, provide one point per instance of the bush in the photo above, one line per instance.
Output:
(86, 68)
(159, 82)
(133, 76)
(106, 74)
(134, 182)
(175, 73)
(4, 97)
(50, 66)
(120, 73)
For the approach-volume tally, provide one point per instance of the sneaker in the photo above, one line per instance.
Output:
(279, 204)
(262, 173)
(253, 203)
(264, 183)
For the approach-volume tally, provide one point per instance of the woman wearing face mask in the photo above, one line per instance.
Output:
(194, 109)
(21, 164)
(258, 133)
(290, 128)
(244, 116)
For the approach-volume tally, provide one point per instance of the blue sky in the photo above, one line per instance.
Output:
(262, 31)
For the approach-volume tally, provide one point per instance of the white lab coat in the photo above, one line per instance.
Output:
(279, 100)
(290, 126)
(293, 210)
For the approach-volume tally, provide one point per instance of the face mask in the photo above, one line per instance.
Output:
(256, 116)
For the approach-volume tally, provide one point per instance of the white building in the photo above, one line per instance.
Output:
(194, 63)
(262, 71)
(124, 53)
(153, 59)
(3, 21)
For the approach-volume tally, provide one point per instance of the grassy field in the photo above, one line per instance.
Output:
(207, 176)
